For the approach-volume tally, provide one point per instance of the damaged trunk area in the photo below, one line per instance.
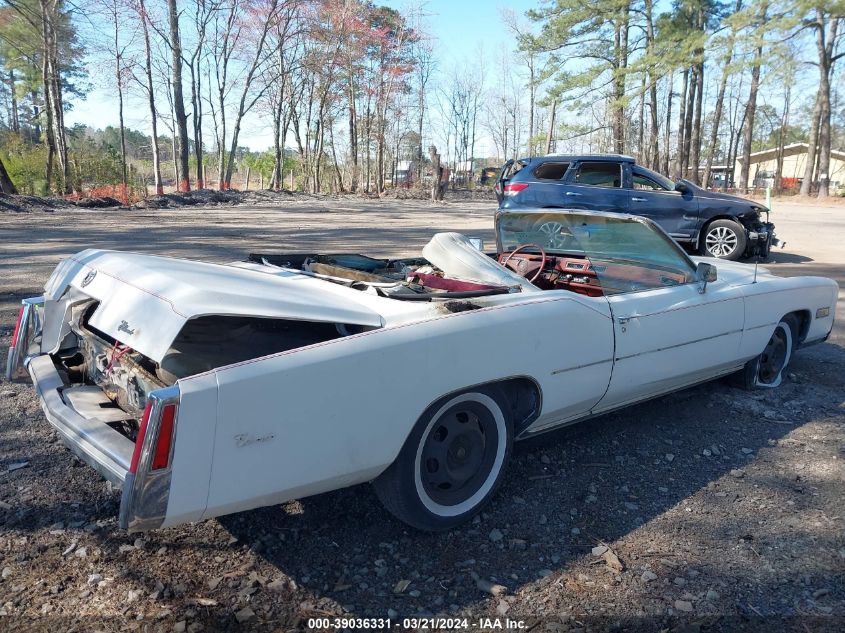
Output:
(108, 380)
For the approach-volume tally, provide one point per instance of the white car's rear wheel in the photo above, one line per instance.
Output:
(451, 464)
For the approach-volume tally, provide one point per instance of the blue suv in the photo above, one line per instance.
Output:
(707, 222)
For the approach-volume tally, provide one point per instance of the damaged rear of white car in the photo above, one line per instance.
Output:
(109, 347)
(178, 382)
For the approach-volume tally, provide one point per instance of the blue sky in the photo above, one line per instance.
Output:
(458, 26)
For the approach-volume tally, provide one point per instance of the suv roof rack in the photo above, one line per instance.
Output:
(622, 157)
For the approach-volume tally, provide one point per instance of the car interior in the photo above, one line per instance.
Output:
(453, 267)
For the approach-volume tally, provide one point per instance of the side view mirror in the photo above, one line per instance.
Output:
(681, 186)
(705, 273)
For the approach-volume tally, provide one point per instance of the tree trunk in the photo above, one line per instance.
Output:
(14, 96)
(784, 121)
(49, 138)
(196, 104)
(148, 68)
(826, 47)
(178, 100)
(720, 100)
(243, 106)
(812, 142)
(824, 141)
(353, 133)
(278, 160)
(620, 63)
(436, 189)
(668, 132)
(532, 96)
(653, 151)
(6, 184)
(748, 129)
(689, 111)
(53, 93)
(550, 133)
(695, 141)
(642, 158)
(679, 163)
(119, 79)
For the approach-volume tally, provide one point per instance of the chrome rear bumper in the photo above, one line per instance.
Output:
(94, 442)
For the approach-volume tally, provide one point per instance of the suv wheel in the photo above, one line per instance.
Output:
(724, 239)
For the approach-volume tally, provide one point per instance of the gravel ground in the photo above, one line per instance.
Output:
(709, 509)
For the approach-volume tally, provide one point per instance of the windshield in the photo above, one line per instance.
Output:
(613, 239)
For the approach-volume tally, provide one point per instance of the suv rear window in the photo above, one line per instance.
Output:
(512, 168)
(551, 171)
(599, 174)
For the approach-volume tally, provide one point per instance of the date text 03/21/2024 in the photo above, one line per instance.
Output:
(417, 623)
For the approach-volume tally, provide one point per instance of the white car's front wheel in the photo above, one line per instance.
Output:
(451, 463)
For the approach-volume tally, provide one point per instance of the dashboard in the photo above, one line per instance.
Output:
(591, 277)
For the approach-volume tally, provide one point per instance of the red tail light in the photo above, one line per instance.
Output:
(515, 188)
(161, 455)
(163, 442)
(17, 328)
(139, 442)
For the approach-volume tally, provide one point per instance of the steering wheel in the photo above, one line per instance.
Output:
(524, 246)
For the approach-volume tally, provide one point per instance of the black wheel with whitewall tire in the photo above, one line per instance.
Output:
(766, 371)
(451, 463)
(724, 239)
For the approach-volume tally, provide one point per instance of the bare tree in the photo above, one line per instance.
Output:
(825, 26)
(267, 19)
(730, 42)
(150, 90)
(751, 104)
(178, 101)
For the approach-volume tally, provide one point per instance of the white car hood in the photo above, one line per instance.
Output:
(145, 300)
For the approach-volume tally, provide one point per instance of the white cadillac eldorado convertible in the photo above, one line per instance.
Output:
(206, 389)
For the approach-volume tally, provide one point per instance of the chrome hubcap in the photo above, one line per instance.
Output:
(721, 241)
(458, 453)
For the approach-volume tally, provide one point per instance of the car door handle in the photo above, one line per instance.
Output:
(623, 320)
(637, 199)
(572, 193)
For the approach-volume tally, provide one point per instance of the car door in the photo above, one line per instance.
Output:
(669, 338)
(595, 185)
(654, 197)
(670, 329)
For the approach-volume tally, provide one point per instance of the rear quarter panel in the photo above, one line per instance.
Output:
(336, 414)
(771, 298)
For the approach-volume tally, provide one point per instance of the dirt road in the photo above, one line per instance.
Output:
(726, 509)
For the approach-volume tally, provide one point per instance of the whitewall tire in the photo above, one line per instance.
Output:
(451, 463)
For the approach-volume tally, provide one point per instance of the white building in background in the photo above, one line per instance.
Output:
(764, 167)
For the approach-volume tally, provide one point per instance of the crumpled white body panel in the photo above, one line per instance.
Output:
(455, 255)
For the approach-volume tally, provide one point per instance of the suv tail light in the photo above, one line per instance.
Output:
(515, 188)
